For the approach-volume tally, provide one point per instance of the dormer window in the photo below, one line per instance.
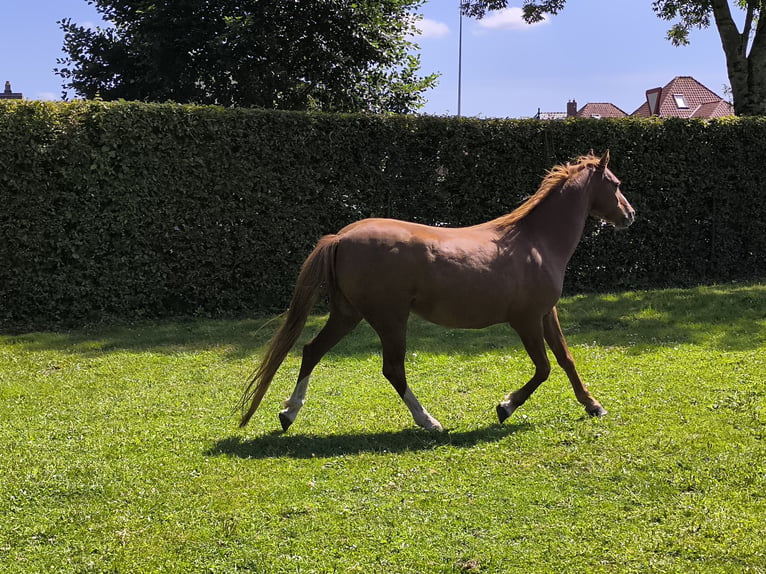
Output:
(680, 102)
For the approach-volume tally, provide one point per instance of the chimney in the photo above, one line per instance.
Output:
(8, 94)
(571, 108)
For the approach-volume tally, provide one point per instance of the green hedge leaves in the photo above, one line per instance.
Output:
(127, 210)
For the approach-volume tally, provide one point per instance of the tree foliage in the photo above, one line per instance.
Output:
(745, 47)
(334, 55)
(533, 11)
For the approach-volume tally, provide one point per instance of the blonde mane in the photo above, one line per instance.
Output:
(553, 180)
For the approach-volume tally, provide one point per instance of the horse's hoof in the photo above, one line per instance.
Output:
(599, 411)
(285, 421)
(504, 412)
(431, 424)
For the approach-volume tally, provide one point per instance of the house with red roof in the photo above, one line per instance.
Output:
(594, 110)
(682, 97)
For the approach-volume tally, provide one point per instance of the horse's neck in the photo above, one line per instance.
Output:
(555, 227)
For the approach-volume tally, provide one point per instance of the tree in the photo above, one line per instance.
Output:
(745, 48)
(333, 55)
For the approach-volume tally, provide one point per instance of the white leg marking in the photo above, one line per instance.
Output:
(420, 415)
(508, 406)
(296, 400)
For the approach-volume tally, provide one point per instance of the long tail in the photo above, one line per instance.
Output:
(317, 271)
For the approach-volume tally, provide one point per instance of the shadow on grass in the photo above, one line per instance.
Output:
(279, 445)
(237, 338)
(728, 317)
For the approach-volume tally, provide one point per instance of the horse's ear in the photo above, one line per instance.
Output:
(604, 160)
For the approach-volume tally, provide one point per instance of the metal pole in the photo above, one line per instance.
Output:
(460, 59)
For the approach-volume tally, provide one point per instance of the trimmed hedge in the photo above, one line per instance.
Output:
(127, 210)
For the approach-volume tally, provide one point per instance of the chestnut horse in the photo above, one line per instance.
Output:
(510, 269)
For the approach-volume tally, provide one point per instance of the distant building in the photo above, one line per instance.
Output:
(682, 97)
(9, 94)
(590, 110)
(595, 111)
(550, 115)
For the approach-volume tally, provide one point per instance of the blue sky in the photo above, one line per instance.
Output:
(594, 51)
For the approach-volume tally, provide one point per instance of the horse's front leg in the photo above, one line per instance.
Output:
(555, 338)
(532, 336)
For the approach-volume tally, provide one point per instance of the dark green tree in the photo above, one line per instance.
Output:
(745, 47)
(333, 55)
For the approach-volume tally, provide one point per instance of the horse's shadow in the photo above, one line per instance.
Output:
(279, 445)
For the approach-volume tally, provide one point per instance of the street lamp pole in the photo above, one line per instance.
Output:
(460, 59)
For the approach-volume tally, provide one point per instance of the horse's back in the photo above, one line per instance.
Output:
(390, 244)
(450, 276)
(382, 257)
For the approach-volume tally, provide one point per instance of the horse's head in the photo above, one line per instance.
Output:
(607, 201)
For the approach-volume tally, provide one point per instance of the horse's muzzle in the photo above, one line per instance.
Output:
(630, 217)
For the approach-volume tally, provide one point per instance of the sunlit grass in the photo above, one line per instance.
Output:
(120, 451)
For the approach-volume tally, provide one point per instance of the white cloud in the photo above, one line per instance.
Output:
(432, 28)
(48, 96)
(507, 19)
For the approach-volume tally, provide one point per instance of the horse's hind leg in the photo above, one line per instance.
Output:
(555, 338)
(393, 336)
(343, 318)
(534, 343)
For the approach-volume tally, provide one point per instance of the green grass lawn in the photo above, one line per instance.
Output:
(119, 450)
